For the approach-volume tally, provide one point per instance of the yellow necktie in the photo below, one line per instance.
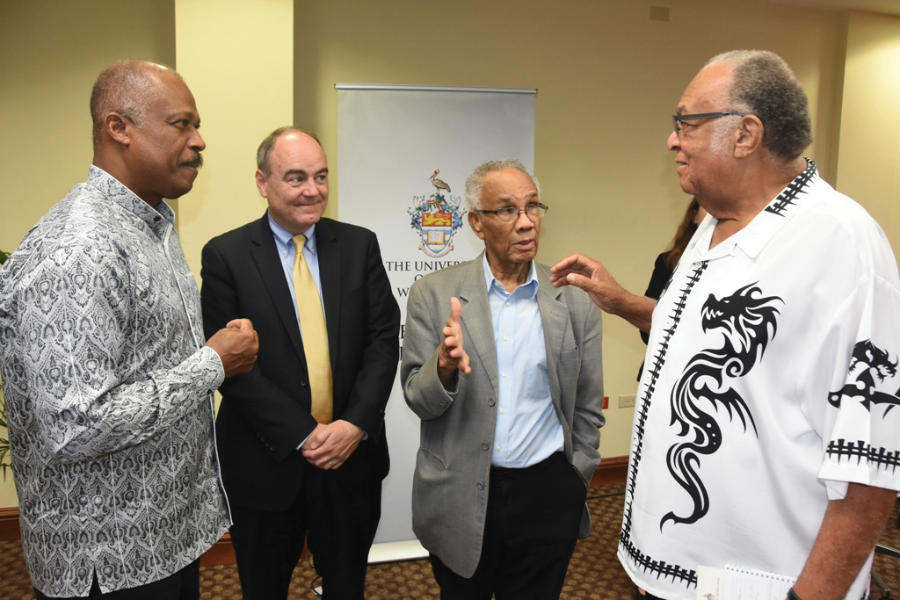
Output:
(315, 335)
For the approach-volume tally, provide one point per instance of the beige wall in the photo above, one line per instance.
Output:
(869, 153)
(237, 57)
(50, 53)
(608, 79)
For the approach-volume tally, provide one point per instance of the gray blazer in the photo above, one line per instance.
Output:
(450, 485)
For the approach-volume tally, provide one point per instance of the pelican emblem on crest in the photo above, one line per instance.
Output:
(436, 217)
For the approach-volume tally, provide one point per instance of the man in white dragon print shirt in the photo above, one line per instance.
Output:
(766, 434)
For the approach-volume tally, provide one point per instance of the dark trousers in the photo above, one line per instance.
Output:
(529, 535)
(181, 585)
(337, 517)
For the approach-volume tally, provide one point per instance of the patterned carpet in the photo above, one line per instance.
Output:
(594, 572)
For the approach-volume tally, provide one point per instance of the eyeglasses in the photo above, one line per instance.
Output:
(508, 214)
(678, 119)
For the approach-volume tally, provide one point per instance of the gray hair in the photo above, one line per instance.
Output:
(476, 179)
(124, 87)
(265, 147)
(765, 86)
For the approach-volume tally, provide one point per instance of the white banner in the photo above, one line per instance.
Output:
(403, 157)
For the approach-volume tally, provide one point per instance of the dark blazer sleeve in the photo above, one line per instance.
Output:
(234, 288)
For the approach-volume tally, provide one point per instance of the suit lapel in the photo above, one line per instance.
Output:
(265, 256)
(554, 319)
(478, 332)
(329, 254)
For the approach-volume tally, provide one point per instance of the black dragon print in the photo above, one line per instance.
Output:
(748, 322)
(872, 365)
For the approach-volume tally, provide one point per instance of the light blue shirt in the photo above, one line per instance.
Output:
(528, 429)
(285, 245)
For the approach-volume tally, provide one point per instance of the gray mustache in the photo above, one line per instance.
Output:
(197, 161)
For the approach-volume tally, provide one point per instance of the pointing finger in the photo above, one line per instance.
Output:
(455, 310)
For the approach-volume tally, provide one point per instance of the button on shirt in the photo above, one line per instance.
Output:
(528, 430)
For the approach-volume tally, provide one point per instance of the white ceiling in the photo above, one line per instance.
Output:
(890, 7)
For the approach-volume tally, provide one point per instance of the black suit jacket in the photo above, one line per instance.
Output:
(265, 414)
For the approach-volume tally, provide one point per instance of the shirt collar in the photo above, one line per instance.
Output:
(756, 234)
(493, 284)
(286, 238)
(158, 218)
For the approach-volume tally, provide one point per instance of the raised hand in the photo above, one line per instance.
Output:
(591, 276)
(452, 356)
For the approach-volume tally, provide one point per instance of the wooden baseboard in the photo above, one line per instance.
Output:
(222, 553)
(9, 523)
(611, 470)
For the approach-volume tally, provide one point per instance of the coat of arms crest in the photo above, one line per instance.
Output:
(436, 217)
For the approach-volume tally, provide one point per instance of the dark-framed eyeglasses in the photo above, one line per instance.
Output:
(678, 119)
(508, 214)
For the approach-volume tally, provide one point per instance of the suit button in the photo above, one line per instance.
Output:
(479, 485)
(304, 384)
(485, 447)
(491, 402)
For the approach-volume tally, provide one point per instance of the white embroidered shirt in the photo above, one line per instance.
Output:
(108, 392)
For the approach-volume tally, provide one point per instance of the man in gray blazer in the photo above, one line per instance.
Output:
(509, 390)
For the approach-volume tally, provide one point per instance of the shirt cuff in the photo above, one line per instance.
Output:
(211, 359)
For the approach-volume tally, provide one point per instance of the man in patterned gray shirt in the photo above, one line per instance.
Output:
(107, 380)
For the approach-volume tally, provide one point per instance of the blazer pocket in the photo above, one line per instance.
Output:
(433, 502)
(429, 466)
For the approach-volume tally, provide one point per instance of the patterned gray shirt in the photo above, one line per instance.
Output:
(108, 391)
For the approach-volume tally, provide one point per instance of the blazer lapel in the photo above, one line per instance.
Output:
(554, 319)
(329, 254)
(478, 332)
(265, 256)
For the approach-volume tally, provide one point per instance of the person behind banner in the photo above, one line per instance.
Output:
(302, 436)
(509, 392)
(107, 377)
(765, 436)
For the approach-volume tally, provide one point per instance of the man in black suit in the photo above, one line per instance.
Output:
(288, 474)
